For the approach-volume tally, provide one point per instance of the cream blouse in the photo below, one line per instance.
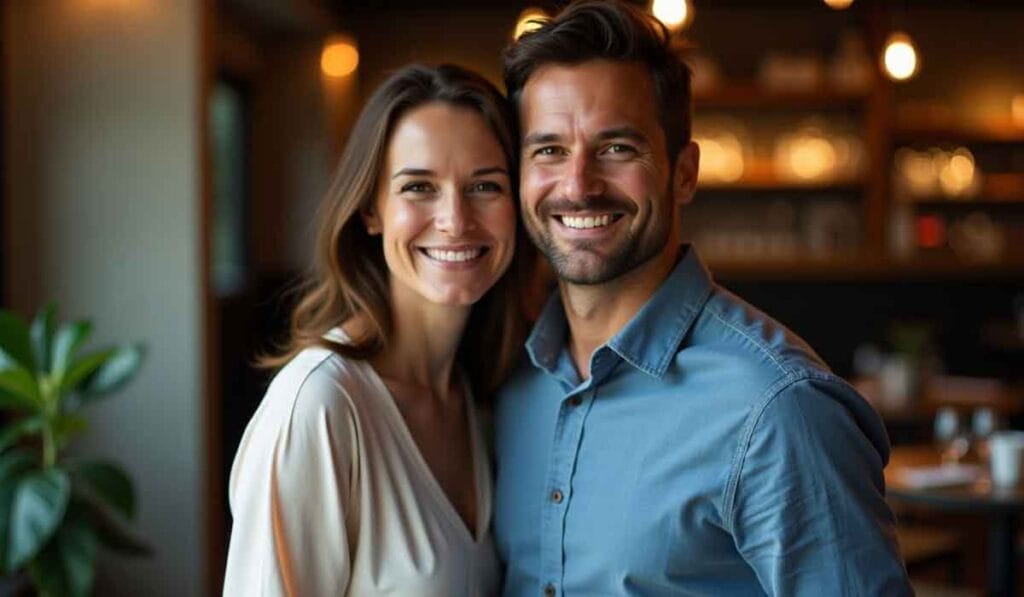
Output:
(331, 496)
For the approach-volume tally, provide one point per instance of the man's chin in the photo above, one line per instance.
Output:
(586, 269)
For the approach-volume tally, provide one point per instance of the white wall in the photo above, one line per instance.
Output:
(102, 171)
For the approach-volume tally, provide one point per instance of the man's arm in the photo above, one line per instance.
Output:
(807, 505)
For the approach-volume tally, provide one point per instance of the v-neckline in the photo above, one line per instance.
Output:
(481, 506)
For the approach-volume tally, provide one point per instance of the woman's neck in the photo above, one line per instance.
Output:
(424, 342)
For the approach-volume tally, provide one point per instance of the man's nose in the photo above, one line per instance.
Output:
(580, 180)
(452, 217)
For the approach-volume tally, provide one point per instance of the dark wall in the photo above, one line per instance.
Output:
(974, 323)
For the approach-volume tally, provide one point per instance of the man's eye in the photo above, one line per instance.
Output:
(619, 148)
(547, 151)
(417, 187)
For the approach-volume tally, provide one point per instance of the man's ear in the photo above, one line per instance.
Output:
(684, 179)
(370, 220)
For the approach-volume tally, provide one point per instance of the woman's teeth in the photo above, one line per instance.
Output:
(583, 222)
(454, 256)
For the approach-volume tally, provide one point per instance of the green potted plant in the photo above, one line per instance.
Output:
(56, 510)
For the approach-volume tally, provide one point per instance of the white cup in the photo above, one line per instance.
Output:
(1006, 453)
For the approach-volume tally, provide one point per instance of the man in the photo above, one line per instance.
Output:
(664, 438)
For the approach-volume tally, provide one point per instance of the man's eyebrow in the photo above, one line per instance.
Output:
(539, 138)
(491, 170)
(625, 132)
(412, 172)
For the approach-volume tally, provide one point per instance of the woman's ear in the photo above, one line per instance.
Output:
(370, 220)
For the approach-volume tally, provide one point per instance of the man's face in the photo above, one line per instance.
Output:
(598, 192)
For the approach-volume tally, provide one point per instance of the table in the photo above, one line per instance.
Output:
(1002, 507)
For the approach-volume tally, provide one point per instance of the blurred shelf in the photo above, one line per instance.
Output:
(997, 189)
(753, 95)
(940, 131)
(979, 203)
(773, 184)
(863, 268)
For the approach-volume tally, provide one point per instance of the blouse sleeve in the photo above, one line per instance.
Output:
(292, 492)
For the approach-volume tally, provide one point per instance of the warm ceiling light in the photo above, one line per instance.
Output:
(675, 14)
(340, 57)
(529, 20)
(839, 4)
(899, 58)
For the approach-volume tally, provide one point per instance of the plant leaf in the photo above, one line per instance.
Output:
(108, 482)
(115, 372)
(41, 334)
(14, 342)
(66, 566)
(18, 389)
(18, 429)
(40, 500)
(114, 531)
(82, 368)
(66, 427)
(6, 497)
(12, 464)
(69, 339)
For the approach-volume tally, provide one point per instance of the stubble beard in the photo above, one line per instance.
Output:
(583, 264)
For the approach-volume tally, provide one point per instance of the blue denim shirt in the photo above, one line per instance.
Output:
(711, 452)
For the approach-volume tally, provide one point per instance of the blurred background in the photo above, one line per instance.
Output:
(862, 180)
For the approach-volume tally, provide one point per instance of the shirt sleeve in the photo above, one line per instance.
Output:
(808, 512)
(291, 495)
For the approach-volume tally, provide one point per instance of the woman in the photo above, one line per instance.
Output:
(363, 471)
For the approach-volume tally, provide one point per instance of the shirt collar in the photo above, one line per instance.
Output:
(652, 337)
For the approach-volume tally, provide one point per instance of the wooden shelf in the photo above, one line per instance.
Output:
(775, 185)
(752, 95)
(862, 268)
(976, 203)
(939, 132)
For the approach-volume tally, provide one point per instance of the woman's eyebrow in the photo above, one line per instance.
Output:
(490, 170)
(412, 172)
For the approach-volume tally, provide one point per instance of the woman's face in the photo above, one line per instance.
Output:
(444, 206)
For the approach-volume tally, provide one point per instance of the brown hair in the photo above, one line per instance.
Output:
(350, 277)
(609, 30)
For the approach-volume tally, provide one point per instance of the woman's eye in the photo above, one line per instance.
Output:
(417, 187)
(486, 186)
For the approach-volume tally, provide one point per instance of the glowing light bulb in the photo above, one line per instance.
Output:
(675, 14)
(340, 58)
(899, 59)
(529, 20)
(839, 4)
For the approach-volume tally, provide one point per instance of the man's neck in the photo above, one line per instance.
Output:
(597, 312)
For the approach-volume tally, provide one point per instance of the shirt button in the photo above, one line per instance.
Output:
(549, 590)
(556, 497)
(575, 401)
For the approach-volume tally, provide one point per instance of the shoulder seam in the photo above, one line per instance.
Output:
(746, 434)
(783, 368)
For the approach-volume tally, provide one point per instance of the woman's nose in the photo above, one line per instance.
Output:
(453, 217)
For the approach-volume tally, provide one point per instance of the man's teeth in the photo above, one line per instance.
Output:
(583, 222)
(456, 256)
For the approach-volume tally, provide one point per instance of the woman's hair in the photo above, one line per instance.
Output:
(350, 276)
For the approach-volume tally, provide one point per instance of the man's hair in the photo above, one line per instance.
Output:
(609, 30)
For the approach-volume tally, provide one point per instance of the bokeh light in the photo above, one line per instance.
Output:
(340, 57)
(899, 59)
